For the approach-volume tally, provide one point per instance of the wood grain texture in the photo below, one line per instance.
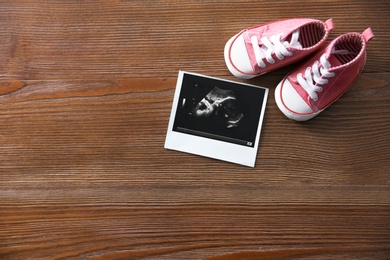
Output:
(86, 89)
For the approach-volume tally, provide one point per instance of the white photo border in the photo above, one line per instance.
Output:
(235, 153)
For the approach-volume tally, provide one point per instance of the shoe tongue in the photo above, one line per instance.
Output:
(339, 52)
(292, 40)
(338, 57)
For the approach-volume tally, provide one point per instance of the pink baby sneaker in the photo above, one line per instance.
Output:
(260, 49)
(312, 87)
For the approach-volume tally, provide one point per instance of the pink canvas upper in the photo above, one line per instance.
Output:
(285, 28)
(345, 68)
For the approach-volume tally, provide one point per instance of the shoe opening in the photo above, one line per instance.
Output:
(311, 34)
(347, 48)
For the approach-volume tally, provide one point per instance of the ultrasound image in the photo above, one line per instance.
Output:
(219, 110)
(219, 103)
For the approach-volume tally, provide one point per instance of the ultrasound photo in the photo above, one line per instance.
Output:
(216, 118)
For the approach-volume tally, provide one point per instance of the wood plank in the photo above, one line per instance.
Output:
(73, 40)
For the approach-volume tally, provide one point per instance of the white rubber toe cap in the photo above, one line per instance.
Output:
(291, 103)
(237, 59)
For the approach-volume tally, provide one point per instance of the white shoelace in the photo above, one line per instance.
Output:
(315, 74)
(273, 45)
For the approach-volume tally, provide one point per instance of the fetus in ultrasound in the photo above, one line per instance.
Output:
(219, 104)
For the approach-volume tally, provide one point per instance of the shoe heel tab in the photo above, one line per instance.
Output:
(329, 24)
(368, 34)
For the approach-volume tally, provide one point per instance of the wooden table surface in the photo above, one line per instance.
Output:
(86, 89)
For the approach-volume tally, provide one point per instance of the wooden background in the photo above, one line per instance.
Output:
(86, 89)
